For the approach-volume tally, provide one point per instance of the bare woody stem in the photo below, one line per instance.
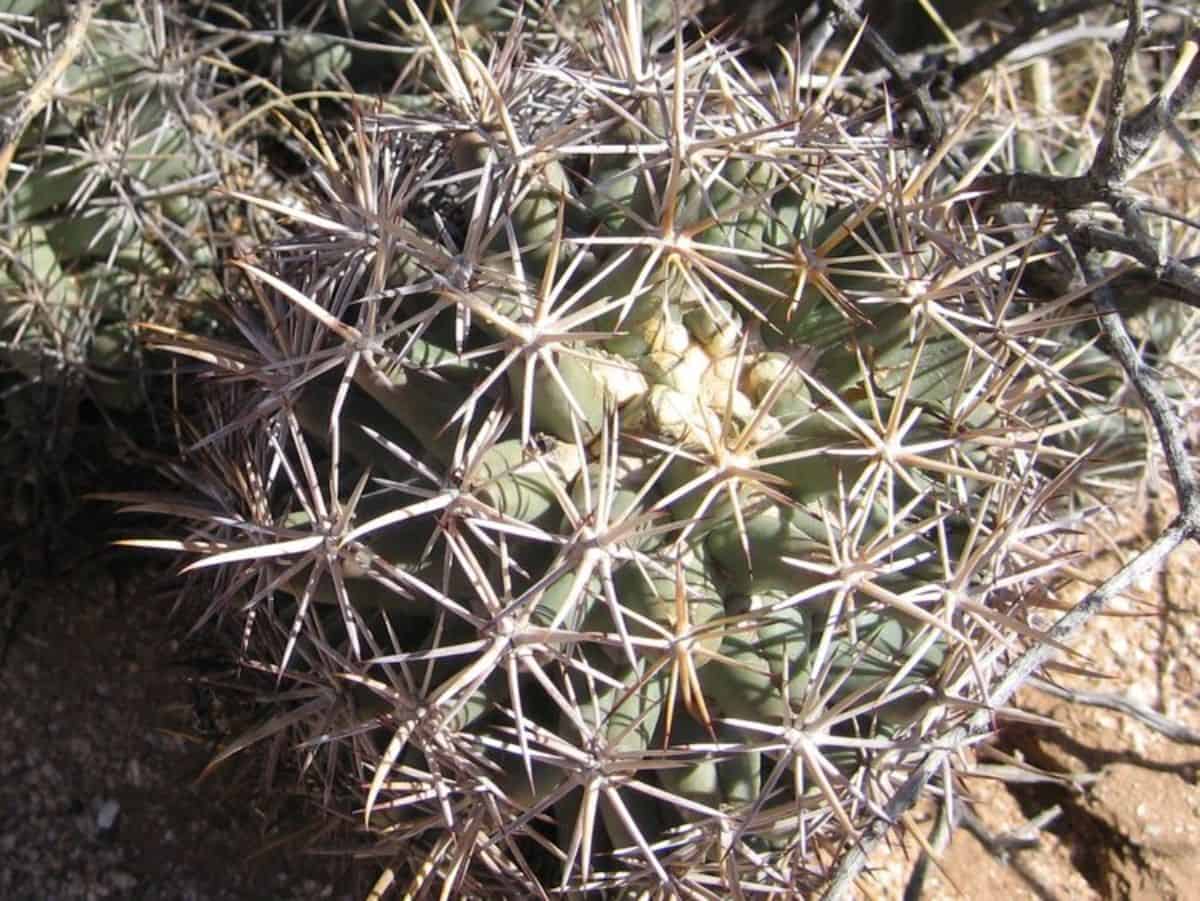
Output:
(42, 91)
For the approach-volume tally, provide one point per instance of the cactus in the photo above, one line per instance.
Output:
(630, 468)
(104, 201)
(115, 143)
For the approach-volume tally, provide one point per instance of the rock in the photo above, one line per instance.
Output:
(106, 815)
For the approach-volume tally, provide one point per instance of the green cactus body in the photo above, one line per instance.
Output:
(698, 782)
(654, 600)
(871, 660)
(313, 59)
(747, 681)
(773, 535)
(112, 178)
(692, 437)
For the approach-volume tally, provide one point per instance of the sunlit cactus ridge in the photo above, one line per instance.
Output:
(629, 467)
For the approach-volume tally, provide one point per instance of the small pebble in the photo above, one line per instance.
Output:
(122, 881)
(106, 816)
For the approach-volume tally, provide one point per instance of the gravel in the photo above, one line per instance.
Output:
(104, 727)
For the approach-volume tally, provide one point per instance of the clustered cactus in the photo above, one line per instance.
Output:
(628, 467)
(110, 154)
(104, 206)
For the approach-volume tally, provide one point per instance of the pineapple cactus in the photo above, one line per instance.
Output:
(628, 470)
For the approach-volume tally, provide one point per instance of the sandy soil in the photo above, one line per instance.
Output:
(105, 724)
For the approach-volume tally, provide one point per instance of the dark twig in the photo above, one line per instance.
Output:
(1010, 774)
(1033, 23)
(1109, 153)
(1024, 838)
(1125, 139)
(845, 15)
(1166, 423)
(1109, 701)
(1144, 282)
(1141, 130)
(815, 42)
(1165, 274)
(1034, 189)
(939, 837)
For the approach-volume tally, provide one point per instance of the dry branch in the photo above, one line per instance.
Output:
(909, 88)
(42, 92)
(1110, 701)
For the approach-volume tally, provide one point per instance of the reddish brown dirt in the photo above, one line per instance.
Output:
(1128, 803)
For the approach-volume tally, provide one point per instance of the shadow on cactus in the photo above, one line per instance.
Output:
(630, 469)
(114, 214)
(104, 205)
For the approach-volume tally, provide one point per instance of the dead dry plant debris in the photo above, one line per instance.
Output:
(1113, 701)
